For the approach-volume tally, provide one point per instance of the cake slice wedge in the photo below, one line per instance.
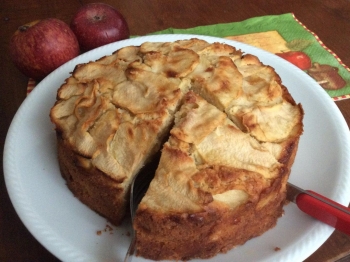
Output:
(215, 187)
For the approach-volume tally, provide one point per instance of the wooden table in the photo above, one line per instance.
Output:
(329, 19)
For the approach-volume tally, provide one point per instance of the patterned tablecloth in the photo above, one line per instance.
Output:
(286, 36)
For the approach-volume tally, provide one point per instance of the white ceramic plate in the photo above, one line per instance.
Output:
(68, 229)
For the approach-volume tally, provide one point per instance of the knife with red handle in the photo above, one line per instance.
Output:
(320, 207)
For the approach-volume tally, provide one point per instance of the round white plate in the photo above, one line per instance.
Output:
(73, 232)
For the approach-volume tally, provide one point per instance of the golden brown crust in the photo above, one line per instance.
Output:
(234, 132)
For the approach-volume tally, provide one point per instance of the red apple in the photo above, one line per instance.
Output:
(298, 58)
(98, 24)
(39, 47)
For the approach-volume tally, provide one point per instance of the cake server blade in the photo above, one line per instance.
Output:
(320, 207)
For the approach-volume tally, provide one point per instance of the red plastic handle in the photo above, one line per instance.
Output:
(338, 218)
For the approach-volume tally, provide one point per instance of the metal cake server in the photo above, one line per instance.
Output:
(320, 207)
(139, 186)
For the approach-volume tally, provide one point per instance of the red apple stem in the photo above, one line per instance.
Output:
(23, 28)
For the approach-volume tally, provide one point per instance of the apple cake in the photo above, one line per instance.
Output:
(225, 126)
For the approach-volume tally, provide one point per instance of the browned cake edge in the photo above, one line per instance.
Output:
(91, 186)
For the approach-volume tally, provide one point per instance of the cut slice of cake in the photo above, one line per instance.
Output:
(215, 188)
